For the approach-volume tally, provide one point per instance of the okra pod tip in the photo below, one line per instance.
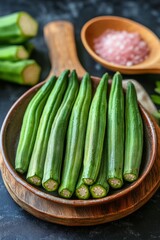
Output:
(115, 183)
(50, 185)
(98, 191)
(82, 192)
(34, 180)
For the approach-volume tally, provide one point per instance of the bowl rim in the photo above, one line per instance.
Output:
(104, 62)
(60, 200)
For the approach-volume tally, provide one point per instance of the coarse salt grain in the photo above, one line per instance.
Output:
(121, 47)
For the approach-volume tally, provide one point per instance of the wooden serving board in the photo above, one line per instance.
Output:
(61, 211)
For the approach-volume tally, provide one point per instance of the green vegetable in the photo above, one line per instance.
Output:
(115, 134)
(17, 28)
(82, 190)
(13, 53)
(95, 133)
(76, 139)
(55, 149)
(36, 166)
(158, 84)
(133, 135)
(100, 188)
(30, 125)
(25, 72)
(157, 90)
(155, 99)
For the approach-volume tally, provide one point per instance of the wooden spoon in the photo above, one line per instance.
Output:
(65, 56)
(96, 26)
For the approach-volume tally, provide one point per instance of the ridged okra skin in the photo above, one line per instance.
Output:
(101, 187)
(55, 148)
(30, 125)
(36, 166)
(95, 133)
(115, 133)
(13, 52)
(82, 190)
(76, 138)
(133, 135)
(17, 28)
(24, 72)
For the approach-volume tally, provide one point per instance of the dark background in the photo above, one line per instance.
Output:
(15, 223)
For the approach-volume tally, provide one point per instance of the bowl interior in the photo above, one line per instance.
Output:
(10, 135)
(96, 26)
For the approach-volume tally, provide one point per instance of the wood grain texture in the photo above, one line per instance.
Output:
(1, 160)
(71, 215)
(96, 26)
(61, 43)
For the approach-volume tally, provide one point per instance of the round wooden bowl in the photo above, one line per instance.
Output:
(51, 207)
(71, 212)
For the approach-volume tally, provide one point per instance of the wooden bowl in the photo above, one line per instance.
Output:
(53, 208)
(96, 26)
(50, 207)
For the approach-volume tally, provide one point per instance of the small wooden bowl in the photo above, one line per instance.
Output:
(51, 207)
(96, 26)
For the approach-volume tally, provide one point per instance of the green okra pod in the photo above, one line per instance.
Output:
(55, 148)
(95, 133)
(36, 166)
(115, 133)
(133, 135)
(17, 28)
(76, 138)
(30, 125)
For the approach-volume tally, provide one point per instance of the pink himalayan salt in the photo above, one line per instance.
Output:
(121, 47)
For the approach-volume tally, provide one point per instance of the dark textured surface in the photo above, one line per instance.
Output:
(15, 223)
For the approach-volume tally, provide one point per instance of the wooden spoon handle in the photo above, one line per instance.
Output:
(60, 39)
